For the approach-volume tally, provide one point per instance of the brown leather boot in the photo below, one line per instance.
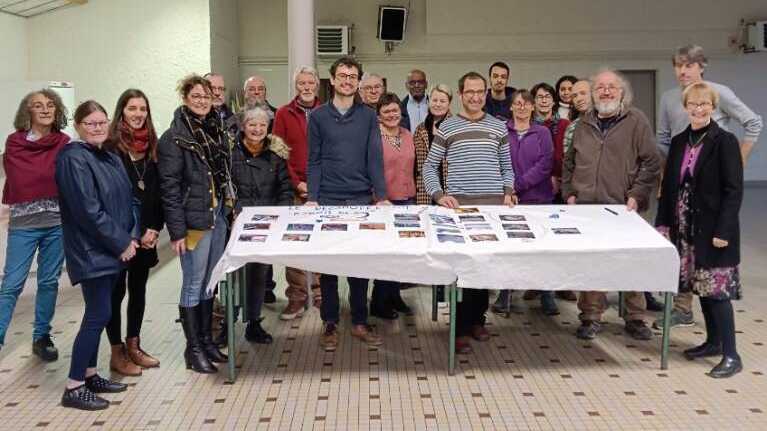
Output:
(366, 334)
(138, 356)
(120, 363)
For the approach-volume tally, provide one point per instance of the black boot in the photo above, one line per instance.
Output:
(194, 356)
(256, 334)
(398, 303)
(206, 332)
(652, 303)
(380, 303)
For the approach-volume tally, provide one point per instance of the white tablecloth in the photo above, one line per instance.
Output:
(613, 250)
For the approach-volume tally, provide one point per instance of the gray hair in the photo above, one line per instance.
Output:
(690, 54)
(23, 118)
(628, 94)
(367, 76)
(253, 78)
(306, 70)
(257, 113)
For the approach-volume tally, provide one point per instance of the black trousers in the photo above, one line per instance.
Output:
(471, 310)
(137, 276)
(720, 324)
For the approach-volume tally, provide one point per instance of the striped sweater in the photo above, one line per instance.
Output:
(478, 158)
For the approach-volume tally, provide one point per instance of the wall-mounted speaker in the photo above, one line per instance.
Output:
(391, 23)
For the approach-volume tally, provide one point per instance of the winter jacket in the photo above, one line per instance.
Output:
(290, 125)
(262, 180)
(532, 158)
(97, 210)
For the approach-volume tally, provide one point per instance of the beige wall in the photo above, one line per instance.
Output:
(13, 53)
(541, 40)
(225, 41)
(107, 46)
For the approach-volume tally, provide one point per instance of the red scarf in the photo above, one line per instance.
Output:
(136, 140)
(30, 167)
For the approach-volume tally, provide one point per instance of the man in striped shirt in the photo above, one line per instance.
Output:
(479, 172)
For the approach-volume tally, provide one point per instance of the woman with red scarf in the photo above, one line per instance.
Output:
(133, 138)
(35, 222)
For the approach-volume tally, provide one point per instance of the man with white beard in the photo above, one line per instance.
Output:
(613, 160)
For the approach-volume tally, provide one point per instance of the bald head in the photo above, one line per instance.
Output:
(416, 84)
(255, 91)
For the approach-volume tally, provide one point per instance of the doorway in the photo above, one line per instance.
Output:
(643, 85)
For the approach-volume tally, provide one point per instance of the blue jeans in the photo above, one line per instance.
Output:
(197, 264)
(22, 244)
(97, 293)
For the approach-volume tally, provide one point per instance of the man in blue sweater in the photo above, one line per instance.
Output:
(345, 168)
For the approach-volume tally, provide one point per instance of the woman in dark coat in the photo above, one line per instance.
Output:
(98, 219)
(260, 176)
(701, 195)
(133, 138)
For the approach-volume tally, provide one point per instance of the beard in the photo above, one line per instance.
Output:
(607, 108)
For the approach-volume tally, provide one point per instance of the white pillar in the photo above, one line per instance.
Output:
(300, 37)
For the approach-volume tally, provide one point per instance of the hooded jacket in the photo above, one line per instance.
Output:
(262, 180)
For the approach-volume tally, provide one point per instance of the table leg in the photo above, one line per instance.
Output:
(668, 304)
(453, 294)
(621, 305)
(309, 292)
(228, 288)
(434, 299)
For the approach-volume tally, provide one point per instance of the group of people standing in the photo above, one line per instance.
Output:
(102, 199)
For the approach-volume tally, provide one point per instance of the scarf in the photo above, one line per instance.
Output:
(135, 140)
(30, 167)
(254, 149)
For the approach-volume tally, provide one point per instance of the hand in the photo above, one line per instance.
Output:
(149, 239)
(510, 200)
(311, 204)
(631, 204)
(129, 252)
(571, 200)
(383, 203)
(555, 182)
(179, 246)
(719, 243)
(448, 202)
(301, 188)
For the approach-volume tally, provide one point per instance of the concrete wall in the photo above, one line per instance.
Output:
(105, 47)
(225, 41)
(541, 40)
(13, 51)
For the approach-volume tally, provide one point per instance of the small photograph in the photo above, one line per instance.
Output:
(483, 237)
(478, 226)
(304, 227)
(256, 226)
(372, 226)
(467, 210)
(451, 238)
(412, 234)
(336, 227)
(447, 230)
(263, 217)
(405, 225)
(512, 217)
(407, 217)
(566, 230)
(471, 218)
(515, 226)
(520, 234)
(303, 237)
(441, 219)
(253, 237)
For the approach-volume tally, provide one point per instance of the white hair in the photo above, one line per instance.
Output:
(628, 94)
(305, 70)
(257, 113)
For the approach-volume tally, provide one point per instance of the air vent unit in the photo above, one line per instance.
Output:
(332, 40)
(757, 36)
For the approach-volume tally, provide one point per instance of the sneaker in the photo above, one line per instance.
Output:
(43, 347)
(256, 334)
(638, 330)
(366, 334)
(588, 330)
(292, 311)
(269, 297)
(100, 385)
(329, 337)
(678, 319)
(82, 398)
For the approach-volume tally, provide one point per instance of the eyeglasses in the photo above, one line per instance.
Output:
(372, 87)
(347, 77)
(93, 125)
(701, 105)
(221, 89)
(546, 96)
(606, 88)
(200, 97)
(473, 93)
(41, 107)
(417, 82)
(522, 105)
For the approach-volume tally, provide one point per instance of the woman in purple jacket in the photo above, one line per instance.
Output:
(532, 155)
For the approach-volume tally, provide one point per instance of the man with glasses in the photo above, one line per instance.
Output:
(219, 95)
(613, 160)
(498, 100)
(255, 96)
(372, 87)
(689, 64)
(479, 172)
(345, 168)
(415, 106)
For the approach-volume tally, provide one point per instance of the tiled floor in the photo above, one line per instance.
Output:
(532, 374)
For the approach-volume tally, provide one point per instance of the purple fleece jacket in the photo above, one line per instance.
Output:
(532, 156)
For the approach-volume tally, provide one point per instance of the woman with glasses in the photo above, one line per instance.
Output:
(100, 232)
(701, 194)
(197, 195)
(532, 157)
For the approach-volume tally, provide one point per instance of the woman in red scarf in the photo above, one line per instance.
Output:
(133, 138)
(35, 224)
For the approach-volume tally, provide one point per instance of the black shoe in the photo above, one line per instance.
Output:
(727, 368)
(383, 313)
(703, 351)
(194, 356)
(256, 334)
(588, 330)
(100, 385)
(82, 398)
(638, 330)
(269, 297)
(652, 303)
(548, 305)
(399, 305)
(206, 332)
(44, 348)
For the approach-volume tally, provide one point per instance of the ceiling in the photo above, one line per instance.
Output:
(30, 8)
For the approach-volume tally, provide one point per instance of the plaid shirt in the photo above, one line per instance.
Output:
(422, 144)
